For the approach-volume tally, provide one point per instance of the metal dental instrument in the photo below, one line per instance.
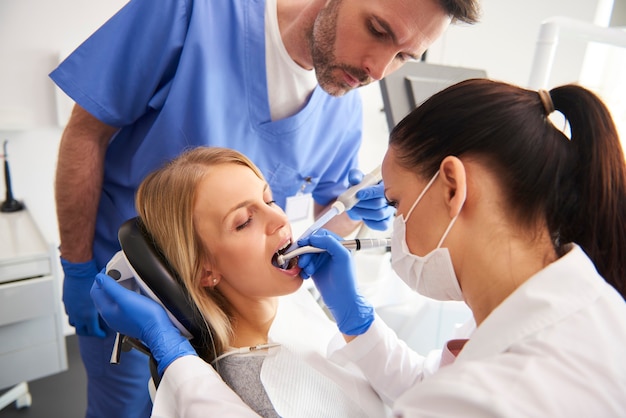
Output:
(351, 244)
(344, 202)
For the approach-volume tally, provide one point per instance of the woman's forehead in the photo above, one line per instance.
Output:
(225, 186)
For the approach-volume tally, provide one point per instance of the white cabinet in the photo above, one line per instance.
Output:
(32, 344)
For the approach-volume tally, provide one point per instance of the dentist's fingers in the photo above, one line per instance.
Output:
(376, 191)
(330, 242)
(355, 176)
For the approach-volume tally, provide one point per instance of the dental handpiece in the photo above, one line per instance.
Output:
(351, 244)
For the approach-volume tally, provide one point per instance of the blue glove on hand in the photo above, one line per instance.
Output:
(372, 207)
(78, 305)
(140, 317)
(333, 274)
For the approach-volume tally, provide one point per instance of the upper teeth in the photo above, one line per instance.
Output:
(284, 246)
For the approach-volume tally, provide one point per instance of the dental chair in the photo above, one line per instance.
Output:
(140, 266)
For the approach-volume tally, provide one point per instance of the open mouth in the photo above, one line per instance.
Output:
(291, 263)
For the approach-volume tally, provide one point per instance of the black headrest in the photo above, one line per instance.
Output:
(154, 270)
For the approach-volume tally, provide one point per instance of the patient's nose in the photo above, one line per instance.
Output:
(276, 219)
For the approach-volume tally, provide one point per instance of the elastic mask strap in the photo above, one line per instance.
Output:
(445, 234)
(432, 180)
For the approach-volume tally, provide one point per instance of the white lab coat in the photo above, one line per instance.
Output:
(191, 388)
(554, 348)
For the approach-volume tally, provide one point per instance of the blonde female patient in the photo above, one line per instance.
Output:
(211, 213)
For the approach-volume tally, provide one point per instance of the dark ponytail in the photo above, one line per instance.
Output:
(597, 219)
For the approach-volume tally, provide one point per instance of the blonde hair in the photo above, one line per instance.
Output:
(164, 202)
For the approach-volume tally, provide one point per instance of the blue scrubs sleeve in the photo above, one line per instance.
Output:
(126, 66)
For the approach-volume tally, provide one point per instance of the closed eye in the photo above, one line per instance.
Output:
(382, 31)
(378, 33)
(249, 220)
(244, 225)
(405, 57)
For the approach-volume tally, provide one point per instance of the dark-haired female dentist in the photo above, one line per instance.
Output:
(498, 208)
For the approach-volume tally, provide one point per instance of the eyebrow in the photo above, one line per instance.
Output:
(244, 203)
(387, 27)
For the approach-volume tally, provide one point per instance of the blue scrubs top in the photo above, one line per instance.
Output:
(184, 73)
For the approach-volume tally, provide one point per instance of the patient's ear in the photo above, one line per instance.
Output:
(452, 172)
(209, 279)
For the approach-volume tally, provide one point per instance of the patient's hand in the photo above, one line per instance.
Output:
(140, 317)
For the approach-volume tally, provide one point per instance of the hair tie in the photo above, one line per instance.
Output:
(546, 100)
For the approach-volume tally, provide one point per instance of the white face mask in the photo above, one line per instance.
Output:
(432, 275)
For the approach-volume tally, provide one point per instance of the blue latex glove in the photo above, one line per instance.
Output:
(140, 317)
(78, 304)
(333, 274)
(372, 207)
